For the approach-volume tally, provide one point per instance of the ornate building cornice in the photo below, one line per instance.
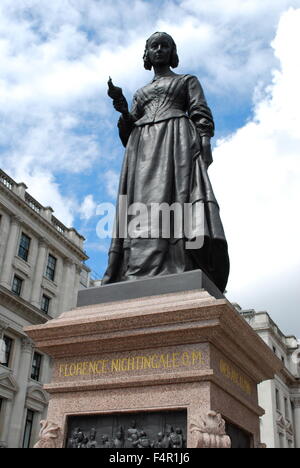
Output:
(21, 307)
(3, 326)
(41, 221)
(27, 345)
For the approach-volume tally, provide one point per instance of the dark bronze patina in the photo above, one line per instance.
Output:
(165, 429)
(167, 136)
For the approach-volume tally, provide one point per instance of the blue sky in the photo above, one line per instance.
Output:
(58, 128)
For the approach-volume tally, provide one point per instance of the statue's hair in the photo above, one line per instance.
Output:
(174, 57)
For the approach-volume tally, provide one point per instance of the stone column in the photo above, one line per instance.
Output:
(4, 233)
(38, 274)
(5, 424)
(67, 288)
(17, 418)
(78, 268)
(5, 278)
(296, 402)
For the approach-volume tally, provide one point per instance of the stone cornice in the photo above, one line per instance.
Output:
(269, 329)
(181, 318)
(22, 307)
(40, 220)
(3, 326)
(288, 377)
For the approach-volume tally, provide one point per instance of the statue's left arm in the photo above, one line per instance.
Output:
(201, 115)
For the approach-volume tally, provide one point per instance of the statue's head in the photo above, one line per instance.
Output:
(170, 50)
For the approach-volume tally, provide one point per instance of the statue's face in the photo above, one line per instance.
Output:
(159, 50)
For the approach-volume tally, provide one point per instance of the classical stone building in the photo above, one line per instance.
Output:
(41, 270)
(280, 398)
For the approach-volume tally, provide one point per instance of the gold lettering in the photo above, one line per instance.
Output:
(171, 360)
(146, 362)
(124, 364)
(175, 357)
(154, 363)
(115, 365)
(225, 369)
(235, 377)
(162, 361)
(92, 367)
(72, 369)
(139, 362)
(185, 359)
(130, 364)
(197, 357)
(169, 363)
(78, 368)
(104, 366)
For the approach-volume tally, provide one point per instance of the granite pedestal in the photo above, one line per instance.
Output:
(159, 354)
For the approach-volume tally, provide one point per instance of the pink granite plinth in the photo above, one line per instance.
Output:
(176, 351)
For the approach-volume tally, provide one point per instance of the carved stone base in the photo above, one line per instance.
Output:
(181, 352)
(209, 432)
(50, 435)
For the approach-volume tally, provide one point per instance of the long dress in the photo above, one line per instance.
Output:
(163, 164)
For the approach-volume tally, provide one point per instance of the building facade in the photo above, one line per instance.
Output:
(41, 271)
(280, 397)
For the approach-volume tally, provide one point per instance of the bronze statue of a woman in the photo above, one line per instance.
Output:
(167, 137)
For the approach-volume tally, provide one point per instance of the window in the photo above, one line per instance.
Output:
(24, 247)
(45, 305)
(51, 266)
(36, 366)
(277, 396)
(274, 350)
(6, 351)
(286, 408)
(28, 428)
(17, 285)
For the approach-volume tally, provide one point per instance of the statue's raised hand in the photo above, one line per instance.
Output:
(116, 94)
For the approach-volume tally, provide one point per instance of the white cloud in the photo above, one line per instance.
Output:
(257, 175)
(55, 59)
(46, 140)
(112, 182)
(62, 51)
(42, 187)
(88, 208)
